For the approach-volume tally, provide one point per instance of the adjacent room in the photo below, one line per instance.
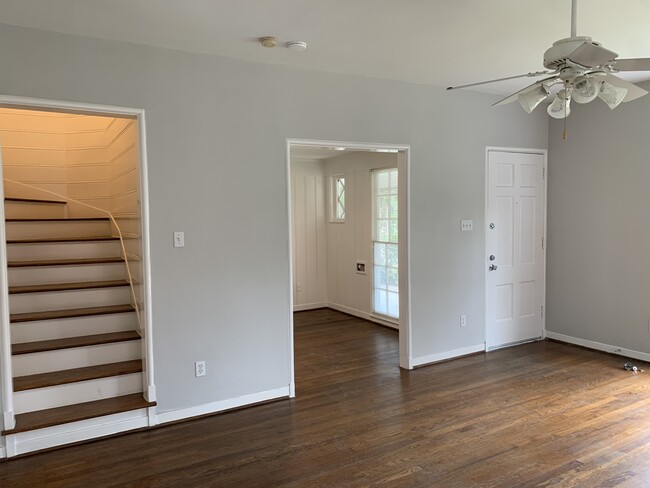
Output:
(346, 244)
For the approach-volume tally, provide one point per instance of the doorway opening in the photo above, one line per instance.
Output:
(74, 260)
(348, 243)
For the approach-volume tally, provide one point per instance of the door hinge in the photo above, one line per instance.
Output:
(542, 243)
(542, 311)
(543, 173)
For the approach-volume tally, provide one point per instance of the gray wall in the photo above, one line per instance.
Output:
(216, 130)
(598, 271)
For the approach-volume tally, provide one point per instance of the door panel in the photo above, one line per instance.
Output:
(514, 237)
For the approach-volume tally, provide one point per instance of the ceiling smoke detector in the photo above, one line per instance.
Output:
(269, 41)
(297, 45)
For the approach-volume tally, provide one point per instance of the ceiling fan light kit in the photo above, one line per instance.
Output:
(584, 69)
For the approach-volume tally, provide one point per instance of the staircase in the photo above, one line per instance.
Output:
(76, 349)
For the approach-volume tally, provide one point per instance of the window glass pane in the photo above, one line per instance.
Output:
(393, 279)
(393, 305)
(380, 254)
(381, 302)
(380, 278)
(383, 207)
(340, 198)
(382, 230)
(393, 207)
(393, 231)
(391, 255)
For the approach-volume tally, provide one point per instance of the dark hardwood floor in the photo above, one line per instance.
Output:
(542, 414)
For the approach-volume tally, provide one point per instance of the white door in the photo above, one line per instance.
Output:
(515, 247)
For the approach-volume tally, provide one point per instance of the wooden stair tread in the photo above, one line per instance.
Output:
(83, 285)
(70, 313)
(64, 262)
(70, 342)
(63, 219)
(34, 200)
(80, 411)
(47, 240)
(63, 377)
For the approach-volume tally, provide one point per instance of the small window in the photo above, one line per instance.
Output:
(338, 198)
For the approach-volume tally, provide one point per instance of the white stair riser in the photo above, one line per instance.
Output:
(27, 210)
(63, 300)
(80, 392)
(44, 330)
(58, 435)
(63, 250)
(66, 274)
(76, 357)
(71, 228)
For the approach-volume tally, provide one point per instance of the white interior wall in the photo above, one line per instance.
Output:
(598, 271)
(308, 212)
(216, 136)
(351, 240)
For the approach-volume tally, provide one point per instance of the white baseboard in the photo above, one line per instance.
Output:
(443, 356)
(599, 346)
(83, 430)
(309, 306)
(186, 413)
(362, 315)
(3, 453)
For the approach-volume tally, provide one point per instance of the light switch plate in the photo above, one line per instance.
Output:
(179, 239)
(466, 225)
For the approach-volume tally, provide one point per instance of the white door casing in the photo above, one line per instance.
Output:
(516, 208)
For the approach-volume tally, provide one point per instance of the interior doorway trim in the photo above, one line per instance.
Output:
(544, 154)
(404, 164)
(7, 101)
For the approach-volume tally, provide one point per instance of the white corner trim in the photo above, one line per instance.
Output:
(292, 390)
(443, 356)
(362, 315)
(82, 430)
(215, 407)
(599, 346)
(309, 306)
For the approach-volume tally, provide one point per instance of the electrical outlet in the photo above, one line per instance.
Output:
(463, 320)
(179, 239)
(199, 368)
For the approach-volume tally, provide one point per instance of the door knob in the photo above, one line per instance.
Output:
(493, 267)
(492, 257)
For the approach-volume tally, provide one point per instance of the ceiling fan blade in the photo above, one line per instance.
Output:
(633, 91)
(590, 55)
(637, 64)
(527, 75)
(514, 96)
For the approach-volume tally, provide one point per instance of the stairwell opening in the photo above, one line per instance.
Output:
(76, 338)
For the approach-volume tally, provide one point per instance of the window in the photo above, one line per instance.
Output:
(385, 243)
(338, 198)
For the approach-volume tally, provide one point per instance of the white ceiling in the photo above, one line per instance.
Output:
(436, 42)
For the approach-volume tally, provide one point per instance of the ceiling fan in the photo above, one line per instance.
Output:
(584, 68)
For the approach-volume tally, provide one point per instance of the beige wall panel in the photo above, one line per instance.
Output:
(33, 157)
(93, 172)
(88, 123)
(28, 120)
(124, 140)
(35, 140)
(124, 183)
(88, 190)
(38, 174)
(86, 140)
(124, 161)
(79, 210)
(126, 205)
(87, 156)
